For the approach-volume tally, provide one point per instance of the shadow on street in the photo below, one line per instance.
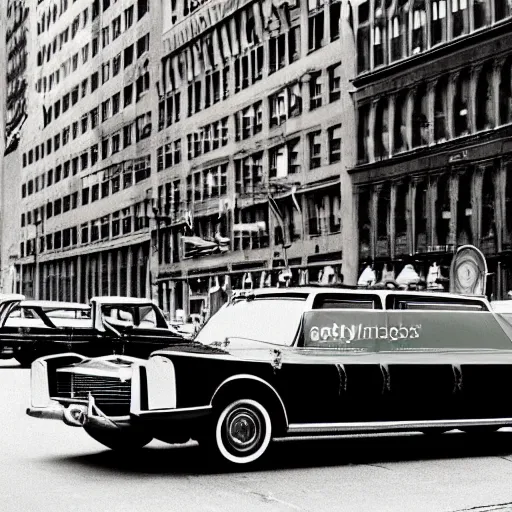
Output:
(376, 450)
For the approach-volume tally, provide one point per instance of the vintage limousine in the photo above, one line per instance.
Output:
(109, 325)
(295, 362)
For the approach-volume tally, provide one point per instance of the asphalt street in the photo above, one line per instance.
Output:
(47, 466)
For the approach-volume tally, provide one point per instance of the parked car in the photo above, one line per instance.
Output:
(6, 352)
(293, 362)
(109, 325)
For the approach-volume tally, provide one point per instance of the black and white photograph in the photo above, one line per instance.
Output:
(256, 255)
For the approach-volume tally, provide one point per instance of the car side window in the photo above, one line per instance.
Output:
(432, 303)
(347, 301)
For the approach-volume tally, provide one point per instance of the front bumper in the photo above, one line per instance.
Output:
(79, 415)
(153, 392)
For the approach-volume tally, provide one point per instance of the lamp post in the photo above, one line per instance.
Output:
(37, 222)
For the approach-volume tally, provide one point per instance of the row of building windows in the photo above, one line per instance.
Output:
(51, 15)
(119, 223)
(435, 112)
(204, 65)
(168, 155)
(94, 187)
(208, 138)
(408, 28)
(47, 51)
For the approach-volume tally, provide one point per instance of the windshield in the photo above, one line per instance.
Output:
(270, 320)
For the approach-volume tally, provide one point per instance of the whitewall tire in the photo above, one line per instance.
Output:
(243, 431)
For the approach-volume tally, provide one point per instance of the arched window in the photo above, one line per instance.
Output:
(420, 216)
(438, 16)
(381, 135)
(460, 104)
(420, 121)
(419, 25)
(484, 103)
(460, 17)
(441, 110)
(464, 209)
(400, 125)
(443, 209)
(506, 92)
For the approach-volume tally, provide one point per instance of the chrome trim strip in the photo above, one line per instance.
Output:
(175, 411)
(242, 376)
(376, 426)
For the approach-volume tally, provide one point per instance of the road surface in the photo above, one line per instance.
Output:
(46, 465)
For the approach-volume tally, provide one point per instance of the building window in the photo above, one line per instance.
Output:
(419, 21)
(127, 135)
(128, 17)
(85, 196)
(116, 28)
(116, 103)
(142, 8)
(95, 46)
(105, 36)
(128, 55)
(420, 121)
(116, 143)
(128, 95)
(105, 110)
(505, 92)
(94, 81)
(116, 64)
(315, 149)
(438, 27)
(363, 134)
(334, 144)
(278, 108)
(84, 123)
(335, 16)
(315, 24)
(441, 110)
(94, 154)
(484, 99)
(334, 83)
(94, 117)
(460, 17)
(142, 45)
(84, 87)
(105, 72)
(460, 104)
(277, 53)
(315, 91)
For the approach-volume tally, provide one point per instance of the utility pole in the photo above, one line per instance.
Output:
(37, 222)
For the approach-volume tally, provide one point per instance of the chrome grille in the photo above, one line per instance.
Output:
(112, 395)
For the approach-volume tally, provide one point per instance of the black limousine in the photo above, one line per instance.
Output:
(295, 362)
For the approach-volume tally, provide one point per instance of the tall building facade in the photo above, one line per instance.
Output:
(434, 161)
(86, 162)
(251, 182)
(15, 63)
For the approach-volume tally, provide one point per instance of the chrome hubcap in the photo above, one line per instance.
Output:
(244, 429)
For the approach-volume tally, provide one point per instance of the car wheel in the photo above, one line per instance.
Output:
(241, 433)
(123, 439)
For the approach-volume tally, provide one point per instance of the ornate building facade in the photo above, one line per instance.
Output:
(434, 114)
(251, 160)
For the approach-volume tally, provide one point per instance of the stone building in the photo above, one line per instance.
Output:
(434, 107)
(86, 162)
(173, 144)
(251, 160)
